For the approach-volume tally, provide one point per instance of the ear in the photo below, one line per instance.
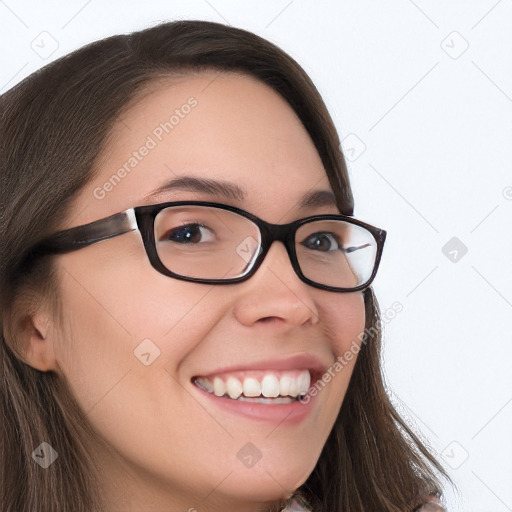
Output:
(38, 341)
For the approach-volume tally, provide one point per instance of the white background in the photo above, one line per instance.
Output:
(427, 129)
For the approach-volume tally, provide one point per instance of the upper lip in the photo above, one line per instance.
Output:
(305, 361)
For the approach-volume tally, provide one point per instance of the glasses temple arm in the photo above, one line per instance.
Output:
(81, 236)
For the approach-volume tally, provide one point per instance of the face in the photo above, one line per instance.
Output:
(134, 340)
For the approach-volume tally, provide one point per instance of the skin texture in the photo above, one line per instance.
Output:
(172, 449)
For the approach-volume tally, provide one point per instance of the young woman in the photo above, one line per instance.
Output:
(187, 317)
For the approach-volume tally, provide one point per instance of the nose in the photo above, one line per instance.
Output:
(276, 292)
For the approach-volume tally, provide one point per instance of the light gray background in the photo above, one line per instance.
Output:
(421, 93)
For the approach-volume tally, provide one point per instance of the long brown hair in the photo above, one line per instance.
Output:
(53, 126)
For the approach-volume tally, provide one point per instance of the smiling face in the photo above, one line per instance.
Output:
(137, 343)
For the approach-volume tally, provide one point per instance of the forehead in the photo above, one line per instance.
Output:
(225, 127)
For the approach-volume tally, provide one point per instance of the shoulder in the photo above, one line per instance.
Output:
(431, 505)
(296, 504)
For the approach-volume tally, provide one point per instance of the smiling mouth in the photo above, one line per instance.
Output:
(267, 387)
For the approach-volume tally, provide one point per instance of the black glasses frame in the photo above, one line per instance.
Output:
(142, 218)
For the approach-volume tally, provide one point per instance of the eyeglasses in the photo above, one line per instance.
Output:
(215, 243)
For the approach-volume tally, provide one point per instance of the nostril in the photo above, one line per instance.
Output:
(269, 319)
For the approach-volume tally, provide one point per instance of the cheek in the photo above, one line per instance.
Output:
(343, 323)
(343, 318)
(125, 320)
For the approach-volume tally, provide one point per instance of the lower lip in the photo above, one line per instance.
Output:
(289, 414)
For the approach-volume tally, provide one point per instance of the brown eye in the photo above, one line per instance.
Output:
(322, 242)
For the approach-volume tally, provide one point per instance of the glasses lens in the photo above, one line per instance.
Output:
(206, 242)
(336, 253)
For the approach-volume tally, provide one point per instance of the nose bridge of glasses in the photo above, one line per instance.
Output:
(284, 233)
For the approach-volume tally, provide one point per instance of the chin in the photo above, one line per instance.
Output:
(263, 483)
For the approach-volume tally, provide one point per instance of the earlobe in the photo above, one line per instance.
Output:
(38, 342)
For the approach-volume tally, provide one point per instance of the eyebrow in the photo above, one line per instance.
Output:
(231, 191)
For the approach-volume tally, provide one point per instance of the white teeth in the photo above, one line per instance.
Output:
(291, 383)
(234, 387)
(285, 385)
(304, 381)
(251, 387)
(219, 388)
(270, 386)
(205, 384)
